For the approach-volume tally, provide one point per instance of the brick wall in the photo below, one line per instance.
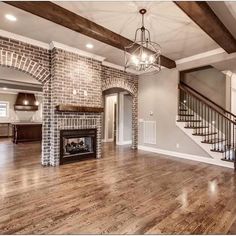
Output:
(61, 73)
(71, 72)
(36, 54)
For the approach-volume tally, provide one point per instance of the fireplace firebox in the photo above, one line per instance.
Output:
(77, 145)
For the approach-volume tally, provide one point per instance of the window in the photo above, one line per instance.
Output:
(4, 108)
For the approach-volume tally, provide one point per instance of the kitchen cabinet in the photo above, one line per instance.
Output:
(27, 132)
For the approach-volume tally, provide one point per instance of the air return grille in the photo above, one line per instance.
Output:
(149, 132)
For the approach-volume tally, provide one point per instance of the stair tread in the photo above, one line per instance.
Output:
(185, 114)
(216, 150)
(196, 127)
(224, 159)
(189, 121)
(212, 141)
(182, 109)
(205, 134)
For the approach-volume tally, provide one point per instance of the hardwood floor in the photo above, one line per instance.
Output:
(125, 192)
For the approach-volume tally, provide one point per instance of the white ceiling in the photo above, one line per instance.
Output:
(178, 36)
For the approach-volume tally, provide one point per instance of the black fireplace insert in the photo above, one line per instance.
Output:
(77, 145)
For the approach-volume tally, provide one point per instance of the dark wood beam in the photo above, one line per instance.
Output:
(206, 19)
(197, 69)
(70, 20)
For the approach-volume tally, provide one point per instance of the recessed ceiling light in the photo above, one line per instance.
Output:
(89, 45)
(10, 17)
(4, 88)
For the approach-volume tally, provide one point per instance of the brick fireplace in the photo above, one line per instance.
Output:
(76, 80)
(72, 126)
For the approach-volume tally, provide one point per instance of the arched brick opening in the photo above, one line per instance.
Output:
(24, 64)
(41, 74)
(133, 90)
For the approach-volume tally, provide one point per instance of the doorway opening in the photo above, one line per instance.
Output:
(21, 115)
(117, 117)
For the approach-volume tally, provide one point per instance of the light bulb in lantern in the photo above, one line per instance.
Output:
(26, 102)
(151, 59)
(135, 60)
(143, 56)
(36, 103)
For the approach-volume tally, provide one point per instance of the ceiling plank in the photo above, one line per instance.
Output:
(70, 20)
(201, 13)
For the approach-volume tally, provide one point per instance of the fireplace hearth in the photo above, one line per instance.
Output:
(77, 145)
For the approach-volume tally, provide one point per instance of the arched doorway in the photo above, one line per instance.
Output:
(117, 117)
(42, 75)
(131, 88)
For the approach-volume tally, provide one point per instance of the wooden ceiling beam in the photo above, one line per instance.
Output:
(207, 20)
(70, 20)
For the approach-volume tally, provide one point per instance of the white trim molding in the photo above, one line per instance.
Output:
(191, 157)
(118, 67)
(200, 56)
(129, 142)
(67, 48)
(110, 140)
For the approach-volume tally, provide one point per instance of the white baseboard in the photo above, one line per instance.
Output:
(108, 140)
(207, 160)
(124, 142)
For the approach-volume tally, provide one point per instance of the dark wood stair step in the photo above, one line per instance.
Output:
(196, 127)
(213, 141)
(224, 159)
(204, 134)
(216, 150)
(182, 109)
(189, 121)
(185, 115)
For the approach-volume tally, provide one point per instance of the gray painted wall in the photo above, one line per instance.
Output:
(158, 93)
(209, 82)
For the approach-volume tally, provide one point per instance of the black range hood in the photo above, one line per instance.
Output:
(26, 102)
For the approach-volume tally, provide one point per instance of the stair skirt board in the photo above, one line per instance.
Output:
(198, 140)
(191, 157)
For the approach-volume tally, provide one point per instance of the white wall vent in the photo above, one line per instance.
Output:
(149, 132)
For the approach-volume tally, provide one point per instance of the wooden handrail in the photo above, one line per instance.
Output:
(198, 96)
(195, 91)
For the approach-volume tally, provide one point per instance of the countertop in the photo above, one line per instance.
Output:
(26, 123)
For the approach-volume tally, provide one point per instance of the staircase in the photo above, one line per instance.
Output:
(208, 124)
